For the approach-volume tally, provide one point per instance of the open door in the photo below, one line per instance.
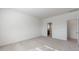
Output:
(72, 29)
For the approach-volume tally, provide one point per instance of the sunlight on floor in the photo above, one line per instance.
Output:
(44, 48)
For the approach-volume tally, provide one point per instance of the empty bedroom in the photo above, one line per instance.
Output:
(39, 29)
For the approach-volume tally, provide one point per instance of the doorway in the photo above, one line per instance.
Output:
(72, 30)
(49, 30)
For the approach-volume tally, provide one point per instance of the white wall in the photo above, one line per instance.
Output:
(72, 29)
(16, 26)
(59, 25)
(59, 28)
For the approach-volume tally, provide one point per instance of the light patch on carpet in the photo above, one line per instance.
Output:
(44, 48)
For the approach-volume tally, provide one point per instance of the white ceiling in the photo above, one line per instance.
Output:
(45, 12)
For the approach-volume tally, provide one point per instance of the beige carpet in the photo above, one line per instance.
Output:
(41, 44)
